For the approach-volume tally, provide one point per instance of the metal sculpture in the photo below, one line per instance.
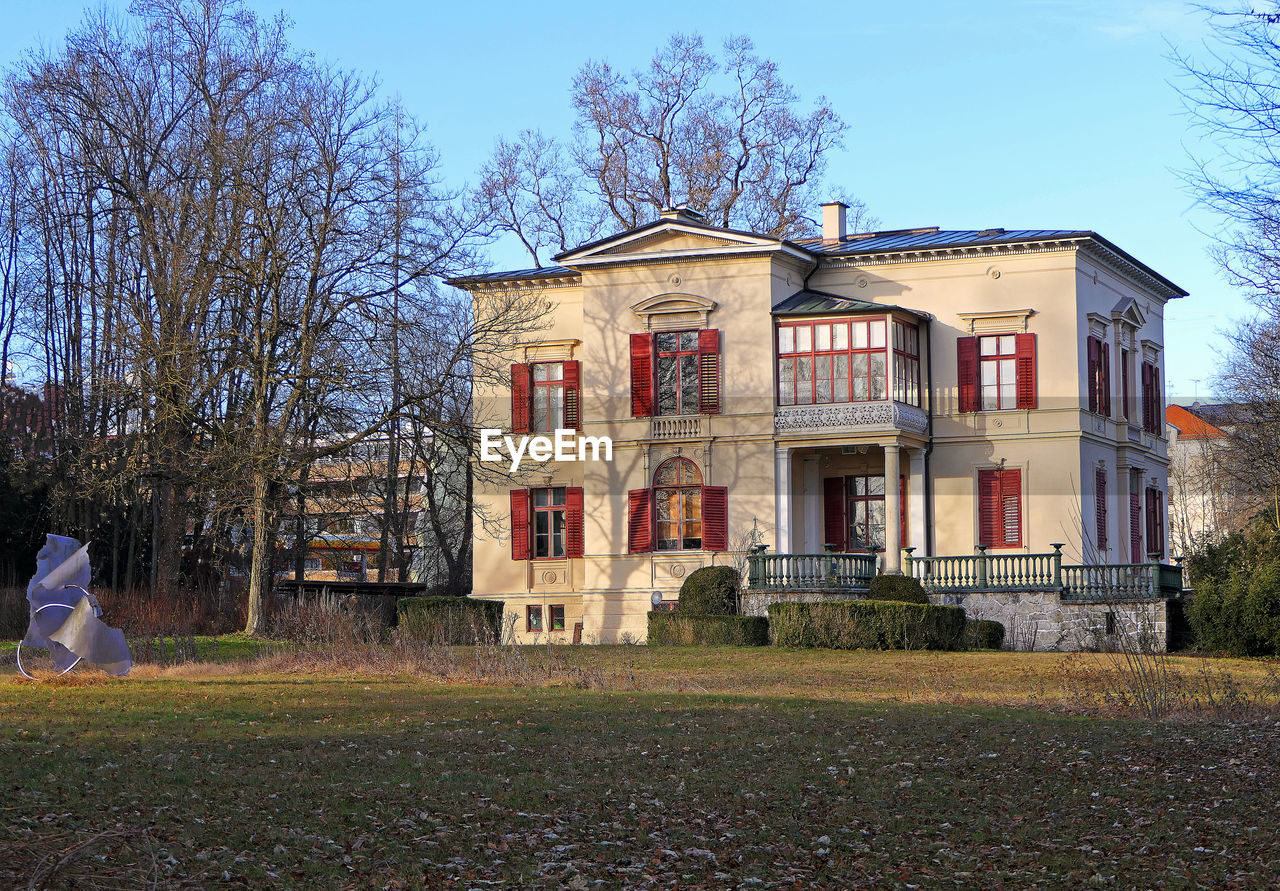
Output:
(64, 615)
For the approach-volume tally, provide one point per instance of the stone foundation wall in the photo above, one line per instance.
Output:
(1042, 621)
(1032, 620)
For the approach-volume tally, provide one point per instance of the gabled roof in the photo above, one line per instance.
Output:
(808, 303)
(630, 245)
(1191, 426)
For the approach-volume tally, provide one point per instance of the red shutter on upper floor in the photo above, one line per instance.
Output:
(641, 375)
(1135, 527)
(1095, 372)
(573, 521)
(833, 521)
(1025, 354)
(715, 518)
(1100, 509)
(967, 372)
(1148, 397)
(1106, 379)
(572, 394)
(639, 521)
(519, 524)
(521, 398)
(709, 371)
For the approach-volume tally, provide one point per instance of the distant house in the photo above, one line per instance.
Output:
(1205, 500)
(856, 402)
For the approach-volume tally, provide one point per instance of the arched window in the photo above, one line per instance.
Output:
(677, 492)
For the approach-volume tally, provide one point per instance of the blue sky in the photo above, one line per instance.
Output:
(1049, 114)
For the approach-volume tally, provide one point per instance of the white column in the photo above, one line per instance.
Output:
(782, 499)
(915, 503)
(812, 482)
(892, 513)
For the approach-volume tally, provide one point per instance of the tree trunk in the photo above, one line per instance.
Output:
(259, 557)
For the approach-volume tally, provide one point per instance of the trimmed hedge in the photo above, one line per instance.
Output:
(669, 629)
(983, 634)
(450, 620)
(866, 624)
(1241, 615)
(710, 591)
(900, 588)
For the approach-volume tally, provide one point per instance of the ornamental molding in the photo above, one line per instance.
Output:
(851, 415)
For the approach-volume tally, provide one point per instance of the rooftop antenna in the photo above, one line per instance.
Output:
(1196, 397)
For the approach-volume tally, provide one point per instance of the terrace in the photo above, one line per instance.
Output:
(976, 573)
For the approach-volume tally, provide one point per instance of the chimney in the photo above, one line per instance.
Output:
(833, 213)
(681, 213)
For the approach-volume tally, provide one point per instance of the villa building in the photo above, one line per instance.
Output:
(814, 411)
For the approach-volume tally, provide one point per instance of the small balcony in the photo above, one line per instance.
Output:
(843, 416)
(676, 427)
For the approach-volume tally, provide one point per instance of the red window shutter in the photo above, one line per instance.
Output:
(1135, 527)
(988, 507)
(519, 524)
(1153, 521)
(967, 372)
(641, 375)
(639, 521)
(1106, 379)
(1010, 508)
(1157, 403)
(572, 391)
(521, 398)
(1148, 396)
(709, 371)
(902, 511)
(1124, 384)
(715, 518)
(1095, 373)
(1025, 355)
(1100, 509)
(573, 521)
(833, 504)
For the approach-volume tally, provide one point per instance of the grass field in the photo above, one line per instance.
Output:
(635, 767)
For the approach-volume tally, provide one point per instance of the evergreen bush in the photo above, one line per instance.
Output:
(901, 588)
(983, 634)
(451, 620)
(710, 591)
(668, 629)
(866, 624)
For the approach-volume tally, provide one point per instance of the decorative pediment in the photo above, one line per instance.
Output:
(674, 310)
(1129, 312)
(672, 239)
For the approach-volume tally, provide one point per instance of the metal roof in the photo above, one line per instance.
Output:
(515, 275)
(808, 303)
(933, 237)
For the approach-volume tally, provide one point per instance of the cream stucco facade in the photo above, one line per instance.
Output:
(801, 470)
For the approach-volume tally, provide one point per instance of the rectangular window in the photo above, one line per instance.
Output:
(906, 363)
(548, 523)
(997, 372)
(865, 496)
(1000, 508)
(832, 361)
(548, 397)
(533, 618)
(677, 372)
(556, 616)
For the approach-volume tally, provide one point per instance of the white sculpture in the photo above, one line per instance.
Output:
(64, 615)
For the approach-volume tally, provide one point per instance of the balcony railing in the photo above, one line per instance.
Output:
(810, 572)
(977, 573)
(676, 427)
(988, 572)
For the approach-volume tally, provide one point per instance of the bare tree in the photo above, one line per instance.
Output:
(1232, 97)
(723, 137)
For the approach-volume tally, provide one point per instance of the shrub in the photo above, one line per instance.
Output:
(983, 634)
(451, 620)
(668, 629)
(1240, 615)
(866, 624)
(710, 591)
(900, 588)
